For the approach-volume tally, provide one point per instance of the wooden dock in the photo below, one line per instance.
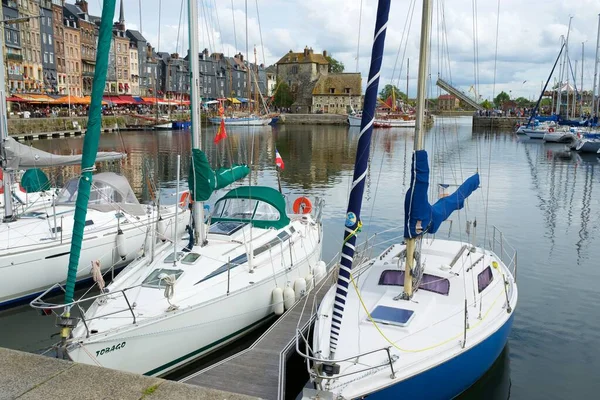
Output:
(259, 371)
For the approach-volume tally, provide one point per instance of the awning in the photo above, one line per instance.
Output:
(150, 100)
(15, 99)
(119, 100)
(41, 98)
(242, 99)
(211, 102)
(70, 100)
(234, 100)
(88, 100)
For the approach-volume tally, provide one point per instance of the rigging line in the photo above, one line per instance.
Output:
(234, 33)
(179, 27)
(406, 42)
(496, 51)
(219, 25)
(262, 46)
(408, 13)
(358, 41)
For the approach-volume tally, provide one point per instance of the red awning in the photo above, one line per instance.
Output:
(15, 99)
(120, 100)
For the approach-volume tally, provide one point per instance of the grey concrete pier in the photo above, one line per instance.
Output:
(26, 376)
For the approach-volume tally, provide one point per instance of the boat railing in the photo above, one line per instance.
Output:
(40, 304)
(504, 250)
(327, 369)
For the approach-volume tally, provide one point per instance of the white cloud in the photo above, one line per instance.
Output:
(529, 34)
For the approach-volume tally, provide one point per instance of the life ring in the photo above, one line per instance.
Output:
(551, 130)
(302, 205)
(185, 199)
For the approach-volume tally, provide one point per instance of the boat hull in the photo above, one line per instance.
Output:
(382, 122)
(534, 134)
(588, 146)
(241, 121)
(448, 380)
(182, 124)
(558, 137)
(161, 345)
(165, 126)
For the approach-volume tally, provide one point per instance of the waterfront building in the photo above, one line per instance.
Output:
(134, 77)
(72, 41)
(271, 77)
(12, 43)
(337, 93)
(47, 47)
(88, 43)
(139, 68)
(31, 43)
(121, 51)
(301, 71)
(150, 88)
(59, 46)
(447, 102)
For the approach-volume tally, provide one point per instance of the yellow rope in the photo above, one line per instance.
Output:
(417, 350)
(354, 232)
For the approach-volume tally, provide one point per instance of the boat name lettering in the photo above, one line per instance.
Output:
(109, 349)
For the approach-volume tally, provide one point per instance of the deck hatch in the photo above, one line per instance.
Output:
(392, 315)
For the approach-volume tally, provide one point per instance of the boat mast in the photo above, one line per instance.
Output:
(581, 88)
(197, 206)
(419, 128)
(567, 63)
(90, 148)
(407, 69)
(560, 79)
(6, 180)
(353, 222)
(593, 110)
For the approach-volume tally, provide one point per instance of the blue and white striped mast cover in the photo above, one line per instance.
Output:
(360, 172)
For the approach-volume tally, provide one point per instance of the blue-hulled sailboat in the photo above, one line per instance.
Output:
(427, 317)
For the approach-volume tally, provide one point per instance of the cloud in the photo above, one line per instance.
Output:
(528, 36)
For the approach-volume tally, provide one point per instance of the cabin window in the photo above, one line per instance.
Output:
(245, 209)
(431, 283)
(484, 279)
(171, 257)
(225, 227)
(155, 279)
(190, 258)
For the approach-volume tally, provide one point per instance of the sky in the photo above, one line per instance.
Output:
(511, 51)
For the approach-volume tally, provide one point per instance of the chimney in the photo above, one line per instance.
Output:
(324, 53)
(83, 5)
(306, 50)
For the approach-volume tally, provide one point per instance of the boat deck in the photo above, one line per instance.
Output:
(260, 370)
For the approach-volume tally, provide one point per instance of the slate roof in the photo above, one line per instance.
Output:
(303, 57)
(339, 82)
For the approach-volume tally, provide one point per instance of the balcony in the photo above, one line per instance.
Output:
(14, 57)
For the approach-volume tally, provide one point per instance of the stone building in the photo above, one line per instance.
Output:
(301, 71)
(12, 42)
(59, 46)
(151, 86)
(72, 57)
(271, 74)
(30, 41)
(337, 93)
(121, 51)
(134, 78)
(88, 43)
(139, 42)
(47, 47)
(447, 102)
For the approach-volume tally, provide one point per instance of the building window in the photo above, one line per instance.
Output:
(331, 90)
(295, 69)
(347, 90)
(49, 39)
(45, 57)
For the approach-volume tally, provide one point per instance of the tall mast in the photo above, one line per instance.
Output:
(353, 223)
(6, 180)
(407, 68)
(560, 78)
(567, 63)
(421, 90)
(593, 110)
(197, 206)
(581, 88)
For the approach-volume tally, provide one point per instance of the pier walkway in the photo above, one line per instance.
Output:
(260, 370)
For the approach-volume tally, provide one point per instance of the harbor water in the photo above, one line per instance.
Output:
(542, 197)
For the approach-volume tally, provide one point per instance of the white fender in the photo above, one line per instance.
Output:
(162, 229)
(121, 246)
(299, 288)
(289, 297)
(277, 297)
(320, 270)
(309, 281)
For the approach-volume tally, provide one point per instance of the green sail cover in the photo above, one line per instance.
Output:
(202, 180)
(226, 176)
(35, 180)
(90, 143)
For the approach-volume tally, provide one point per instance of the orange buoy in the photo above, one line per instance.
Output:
(185, 199)
(302, 205)
(551, 130)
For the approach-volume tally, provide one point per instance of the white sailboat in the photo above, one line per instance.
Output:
(249, 260)
(427, 317)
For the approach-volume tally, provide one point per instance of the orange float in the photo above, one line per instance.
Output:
(302, 205)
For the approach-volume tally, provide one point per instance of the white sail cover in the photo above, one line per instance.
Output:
(20, 156)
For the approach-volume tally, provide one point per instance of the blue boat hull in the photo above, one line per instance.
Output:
(450, 379)
(182, 125)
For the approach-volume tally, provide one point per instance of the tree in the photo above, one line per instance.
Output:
(335, 66)
(546, 102)
(283, 96)
(501, 98)
(387, 92)
(487, 105)
(522, 102)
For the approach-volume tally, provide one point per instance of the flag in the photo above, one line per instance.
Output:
(279, 160)
(221, 133)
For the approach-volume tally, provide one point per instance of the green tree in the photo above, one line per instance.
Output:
(487, 104)
(523, 102)
(335, 66)
(501, 98)
(283, 96)
(546, 102)
(387, 92)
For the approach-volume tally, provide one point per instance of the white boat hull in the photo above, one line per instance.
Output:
(559, 137)
(391, 122)
(242, 121)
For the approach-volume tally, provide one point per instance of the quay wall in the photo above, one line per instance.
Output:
(313, 119)
(28, 376)
(501, 123)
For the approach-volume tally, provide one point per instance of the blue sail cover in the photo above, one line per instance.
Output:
(545, 118)
(420, 217)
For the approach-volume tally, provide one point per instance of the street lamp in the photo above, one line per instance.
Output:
(7, 177)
